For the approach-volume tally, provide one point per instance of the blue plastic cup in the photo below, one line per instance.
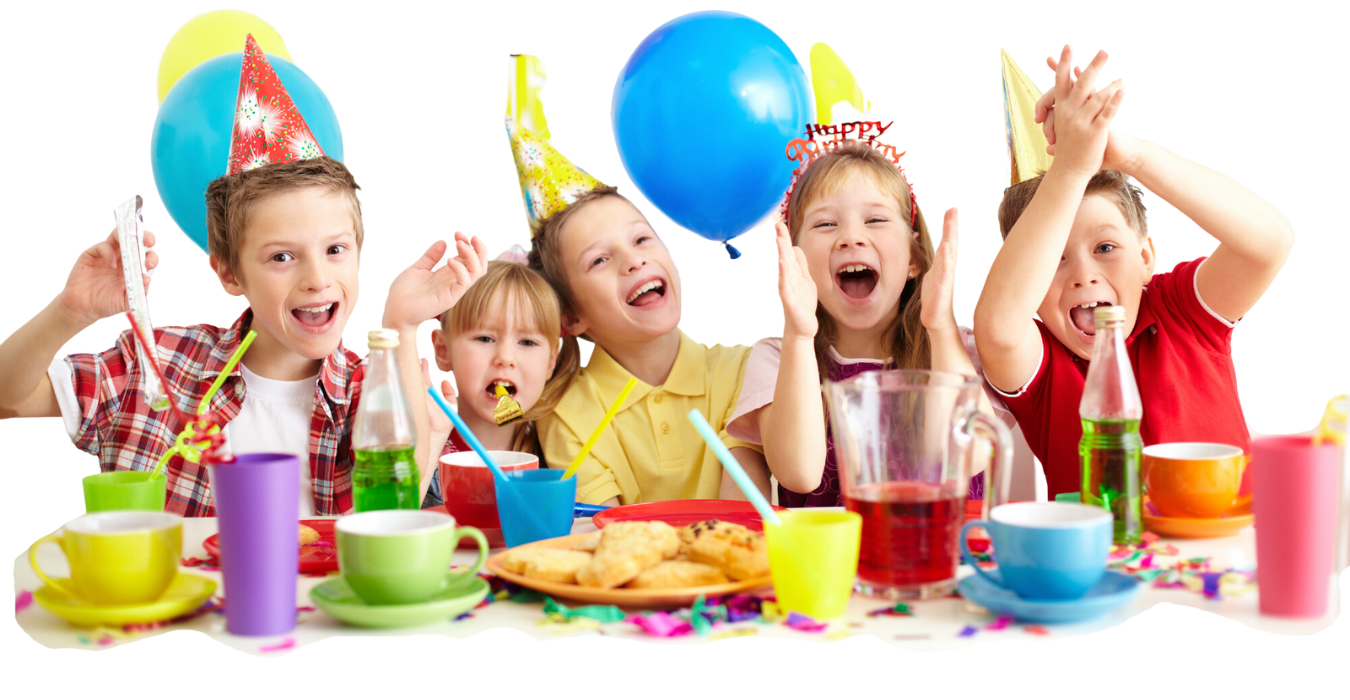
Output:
(550, 499)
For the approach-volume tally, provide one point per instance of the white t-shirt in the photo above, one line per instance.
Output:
(274, 418)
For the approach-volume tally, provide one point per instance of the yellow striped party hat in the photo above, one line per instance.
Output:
(547, 180)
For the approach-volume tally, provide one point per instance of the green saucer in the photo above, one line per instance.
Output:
(336, 598)
(187, 593)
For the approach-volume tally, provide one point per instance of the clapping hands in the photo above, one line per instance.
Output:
(936, 313)
(1077, 121)
(795, 288)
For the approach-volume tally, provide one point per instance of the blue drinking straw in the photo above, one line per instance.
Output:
(477, 446)
(734, 468)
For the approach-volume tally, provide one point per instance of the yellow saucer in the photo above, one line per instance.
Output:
(1227, 525)
(187, 593)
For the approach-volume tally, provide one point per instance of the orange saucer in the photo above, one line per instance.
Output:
(1226, 525)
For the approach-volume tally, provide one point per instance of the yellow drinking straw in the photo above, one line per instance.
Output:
(181, 445)
(1334, 421)
(604, 423)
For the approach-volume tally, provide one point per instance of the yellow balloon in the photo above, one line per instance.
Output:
(833, 81)
(213, 34)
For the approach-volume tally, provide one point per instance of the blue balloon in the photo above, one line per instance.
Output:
(191, 142)
(703, 113)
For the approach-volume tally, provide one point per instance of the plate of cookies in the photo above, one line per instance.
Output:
(318, 548)
(685, 512)
(641, 563)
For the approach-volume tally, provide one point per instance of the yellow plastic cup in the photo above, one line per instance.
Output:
(813, 557)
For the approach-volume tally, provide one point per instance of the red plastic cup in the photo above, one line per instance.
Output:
(1294, 500)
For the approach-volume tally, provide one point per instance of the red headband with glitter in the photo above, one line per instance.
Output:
(834, 137)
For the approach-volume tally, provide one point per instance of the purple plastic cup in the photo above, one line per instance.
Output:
(257, 499)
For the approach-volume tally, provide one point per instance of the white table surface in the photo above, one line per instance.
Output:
(935, 624)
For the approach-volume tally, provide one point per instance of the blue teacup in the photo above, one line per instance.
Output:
(540, 505)
(1045, 551)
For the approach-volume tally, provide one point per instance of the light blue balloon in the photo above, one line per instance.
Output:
(190, 146)
(703, 113)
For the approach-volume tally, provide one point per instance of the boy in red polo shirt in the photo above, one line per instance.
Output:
(1075, 238)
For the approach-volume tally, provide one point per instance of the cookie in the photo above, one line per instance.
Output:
(626, 550)
(589, 544)
(557, 565)
(308, 535)
(738, 551)
(678, 574)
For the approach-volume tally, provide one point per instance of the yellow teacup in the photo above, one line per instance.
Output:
(1193, 479)
(116, 557)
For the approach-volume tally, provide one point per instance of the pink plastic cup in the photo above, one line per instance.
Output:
(1294, 500)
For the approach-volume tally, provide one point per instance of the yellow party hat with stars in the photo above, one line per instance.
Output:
(549, 182)
(1026, 141)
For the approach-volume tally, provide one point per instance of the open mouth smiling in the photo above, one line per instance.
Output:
(1080, 317)
(856, 280)
(316, 317)
(647, 292)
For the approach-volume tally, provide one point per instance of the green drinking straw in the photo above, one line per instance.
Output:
(181, 445)
(734, 468)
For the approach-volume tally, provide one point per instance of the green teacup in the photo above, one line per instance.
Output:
(124, 491)
(401, 557)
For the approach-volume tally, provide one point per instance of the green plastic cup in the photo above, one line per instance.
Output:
(124, 491)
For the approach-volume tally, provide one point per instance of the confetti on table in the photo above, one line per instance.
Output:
(898, 610)
(602, 613)
(740, 632)
(661, 624)
(22, 601)
(1036, 629)
(802, 623)
(283, 645)
(305, 609)
(999, 624)
(463, 616)
(574, 626)
(967, 631)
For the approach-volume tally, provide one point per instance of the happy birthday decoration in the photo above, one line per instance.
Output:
(833, 137)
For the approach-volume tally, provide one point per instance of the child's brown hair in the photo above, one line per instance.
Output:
(510, 285)
(230, 198)
(1111, 184)
(906, 340)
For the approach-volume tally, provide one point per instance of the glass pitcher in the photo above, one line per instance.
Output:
(908, 443)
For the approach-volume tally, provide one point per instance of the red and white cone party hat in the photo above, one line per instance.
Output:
(267, 126)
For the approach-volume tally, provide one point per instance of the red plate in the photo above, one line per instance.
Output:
(317, 558)
(681, 513)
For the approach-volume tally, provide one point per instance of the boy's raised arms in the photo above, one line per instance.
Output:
(1254, 237)
(94, 290)
(1005, 332)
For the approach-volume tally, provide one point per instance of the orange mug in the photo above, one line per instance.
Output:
(1193, 479)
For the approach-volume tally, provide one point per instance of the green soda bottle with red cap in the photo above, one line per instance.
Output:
(1111, 448)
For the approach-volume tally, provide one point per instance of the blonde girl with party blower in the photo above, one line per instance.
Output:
(503, 332)
(862, 289)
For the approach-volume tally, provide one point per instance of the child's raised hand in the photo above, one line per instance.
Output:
(438, 422)
(96, 287)
(1123, 152)
(936, 310)
(796, 288)
(1082, 117)
(423, 291)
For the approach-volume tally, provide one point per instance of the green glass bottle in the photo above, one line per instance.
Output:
(385, 476)
(1109, 452)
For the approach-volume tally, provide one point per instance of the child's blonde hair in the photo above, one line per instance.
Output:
(906, 340)
(536, 306)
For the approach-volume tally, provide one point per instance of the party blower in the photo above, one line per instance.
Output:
(519, 503)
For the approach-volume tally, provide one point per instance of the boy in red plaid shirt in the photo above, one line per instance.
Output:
(295, 260)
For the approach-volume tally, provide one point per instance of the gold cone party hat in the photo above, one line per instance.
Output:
(1026, 141)
(549, 182)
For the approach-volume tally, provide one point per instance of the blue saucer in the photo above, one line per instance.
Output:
(1113, 591)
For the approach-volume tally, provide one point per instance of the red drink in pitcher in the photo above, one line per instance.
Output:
(909, 537)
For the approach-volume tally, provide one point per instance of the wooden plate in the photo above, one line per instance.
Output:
(622, 597)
